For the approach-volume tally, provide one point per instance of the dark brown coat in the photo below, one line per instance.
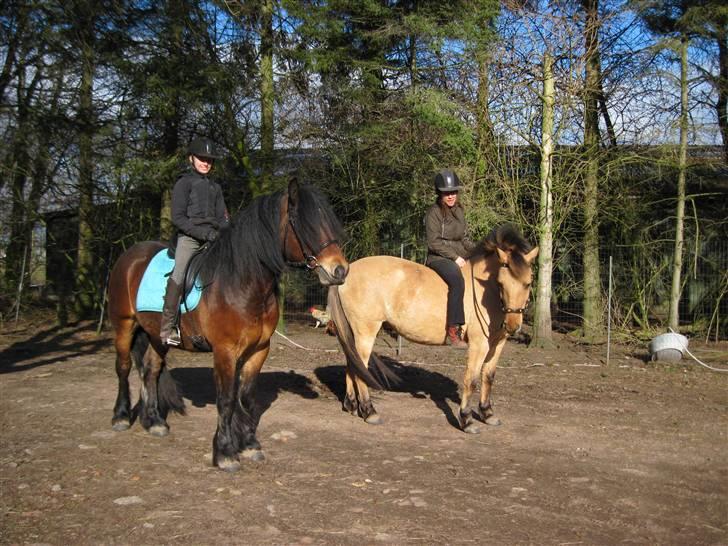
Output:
(446, 234)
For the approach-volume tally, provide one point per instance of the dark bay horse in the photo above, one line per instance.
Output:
(235, 318)
(412, 298)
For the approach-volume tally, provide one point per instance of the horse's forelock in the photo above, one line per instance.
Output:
(316, 217)
(509, 239)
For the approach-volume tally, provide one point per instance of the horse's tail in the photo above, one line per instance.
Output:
(168, 395)
(348, 343)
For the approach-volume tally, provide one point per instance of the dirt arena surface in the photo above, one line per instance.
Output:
(588, 453)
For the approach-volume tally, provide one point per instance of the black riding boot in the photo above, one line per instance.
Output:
(168, 331)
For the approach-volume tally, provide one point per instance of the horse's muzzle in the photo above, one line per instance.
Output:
(338, 276)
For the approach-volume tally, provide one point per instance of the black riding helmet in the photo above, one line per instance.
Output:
(447, 180)
(203, 147)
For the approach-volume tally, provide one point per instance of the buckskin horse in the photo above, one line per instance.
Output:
(412, 298)
(235, 318)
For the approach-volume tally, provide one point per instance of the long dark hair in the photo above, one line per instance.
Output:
(250, 251)
(444, 209)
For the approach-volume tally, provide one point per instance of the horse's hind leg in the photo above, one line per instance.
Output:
(486, 385)
(350, 403)
(122, 342)
(365, 407)
(151, 417)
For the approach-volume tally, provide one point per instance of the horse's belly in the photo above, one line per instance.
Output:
(408, 296)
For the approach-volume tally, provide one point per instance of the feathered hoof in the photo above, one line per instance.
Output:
(255, 455)
(120, 425)
(471, 428)
(160, 431)
(228, 464)
(493, 421)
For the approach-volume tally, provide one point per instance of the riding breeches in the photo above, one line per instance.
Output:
(451, 274)
(186, 247)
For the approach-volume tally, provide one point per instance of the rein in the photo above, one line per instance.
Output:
(310, 261)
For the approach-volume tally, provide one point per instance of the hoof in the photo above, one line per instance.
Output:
(471, 428)
(120, 424)
(374, 419)
(493, 421)
(160, 431)
(349, 406)
(228, 464)
(255, 455)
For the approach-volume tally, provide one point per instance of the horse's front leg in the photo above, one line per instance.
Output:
(151, 418)
(486, 385)
(477, 351)
(245, 418)
(121, 419)
(225, 444)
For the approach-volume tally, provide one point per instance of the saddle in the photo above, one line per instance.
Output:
(150, 296)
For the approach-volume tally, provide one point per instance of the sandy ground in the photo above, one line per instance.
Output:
(588, 453)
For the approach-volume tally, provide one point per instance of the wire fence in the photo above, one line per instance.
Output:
(640, 288)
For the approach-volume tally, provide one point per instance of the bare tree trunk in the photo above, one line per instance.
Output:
(84, 264)
(542, 316)
(171, 148)
(593, 315)
(676, 288)
(20, 166)
(267, 98)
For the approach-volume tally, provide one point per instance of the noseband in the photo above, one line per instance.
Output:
(512, 310)
(310, 261)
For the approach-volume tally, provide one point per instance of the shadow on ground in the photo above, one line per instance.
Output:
(50, 346)
(198, 386)
(414, 380)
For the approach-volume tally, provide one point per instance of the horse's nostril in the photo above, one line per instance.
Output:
(340, 272)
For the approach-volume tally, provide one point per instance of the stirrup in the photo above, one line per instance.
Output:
(174, 339)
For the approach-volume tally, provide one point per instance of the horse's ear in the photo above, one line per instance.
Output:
(293, 193)
(502, 255)
(529, 257)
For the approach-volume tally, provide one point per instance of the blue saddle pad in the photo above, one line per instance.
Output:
(150, 296)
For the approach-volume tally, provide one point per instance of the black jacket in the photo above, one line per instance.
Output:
(446, 234)
(198, 206)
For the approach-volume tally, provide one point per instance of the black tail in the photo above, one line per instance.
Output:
(348, 344)
(168, 395)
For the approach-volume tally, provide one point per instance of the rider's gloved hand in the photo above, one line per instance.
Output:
(211, 235)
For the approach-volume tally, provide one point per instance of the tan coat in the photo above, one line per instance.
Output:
(446, 234)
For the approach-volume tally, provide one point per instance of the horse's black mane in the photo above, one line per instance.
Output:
(250, 250)
(507, 238)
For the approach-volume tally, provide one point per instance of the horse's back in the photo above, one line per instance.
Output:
(409, 296)
(126, 275)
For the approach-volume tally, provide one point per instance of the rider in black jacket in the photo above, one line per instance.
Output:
(198, 212)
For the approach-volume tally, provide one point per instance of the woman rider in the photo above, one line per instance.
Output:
(198, 212)
(447, 249)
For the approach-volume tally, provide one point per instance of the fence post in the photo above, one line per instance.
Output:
(20, 285)
(399, 338)
(609, 310)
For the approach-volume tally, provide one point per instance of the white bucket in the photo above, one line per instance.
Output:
(670, 347)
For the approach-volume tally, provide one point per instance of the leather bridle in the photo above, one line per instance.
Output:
(511, 310)
(310, 261)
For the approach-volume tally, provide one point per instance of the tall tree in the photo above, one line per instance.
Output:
(677, 19)
(542, 315)
(593, 308)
